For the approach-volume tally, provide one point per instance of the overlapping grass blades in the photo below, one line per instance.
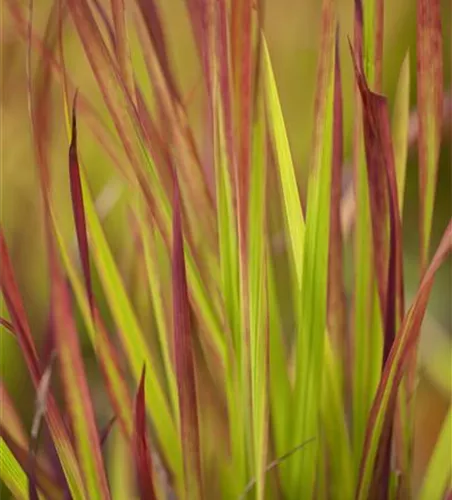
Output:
(228, 403)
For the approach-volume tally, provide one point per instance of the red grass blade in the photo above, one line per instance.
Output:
(76, 391)
(17, 313)
(384, 205)
(399, 356)
(77, 207)
(429, 100)
(184, 358)
(141, 450)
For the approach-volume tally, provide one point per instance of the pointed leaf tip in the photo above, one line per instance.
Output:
(78, 206)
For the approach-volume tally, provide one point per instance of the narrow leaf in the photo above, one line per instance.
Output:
(77, 393)
(77, 207)
(396, 365)
(311, 326)
(184, 359)
(141, 449)
(429, 101)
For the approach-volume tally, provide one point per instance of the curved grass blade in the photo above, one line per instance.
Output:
(11, 473)
(395, 366)
(429, 101)
(184, 360)
(140, 445)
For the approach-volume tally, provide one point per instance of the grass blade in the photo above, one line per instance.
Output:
(400, 128)
(77, 392)
(395, 366)
(367, 321)
(286, 171)
(77, 208)
(312, 320)
(429, 101)
(17, 313)
(336, 291)
(140, 445)
(184, 360)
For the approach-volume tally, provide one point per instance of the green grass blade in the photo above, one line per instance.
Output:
(258, 315)
(312, 326)
(292, 205)
(11, 473)
(132, 338)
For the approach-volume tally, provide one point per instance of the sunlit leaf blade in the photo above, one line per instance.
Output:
(140, 445)
(336, 292)
(77, 393)
(438, 477)
(401, 351)
(258, 297)
(286, 171)
(130, 332)
(184, 359)
(429, 101)
(11, 473)
(312, 319)
(400, 128)
(338, 450)
(43, 477)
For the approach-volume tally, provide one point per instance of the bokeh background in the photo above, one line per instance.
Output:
(292, 30)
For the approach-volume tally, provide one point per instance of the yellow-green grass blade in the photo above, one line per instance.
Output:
(338, 449)
(149, 242)
(400, 128)
(11, 473)
(229, 264)
(279, 383)
(258, 315)
(132, 337)
(312, 320)
(115, 381)
(292, 205)
(438, 477)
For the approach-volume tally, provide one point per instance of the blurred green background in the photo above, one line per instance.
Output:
(292, 30)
